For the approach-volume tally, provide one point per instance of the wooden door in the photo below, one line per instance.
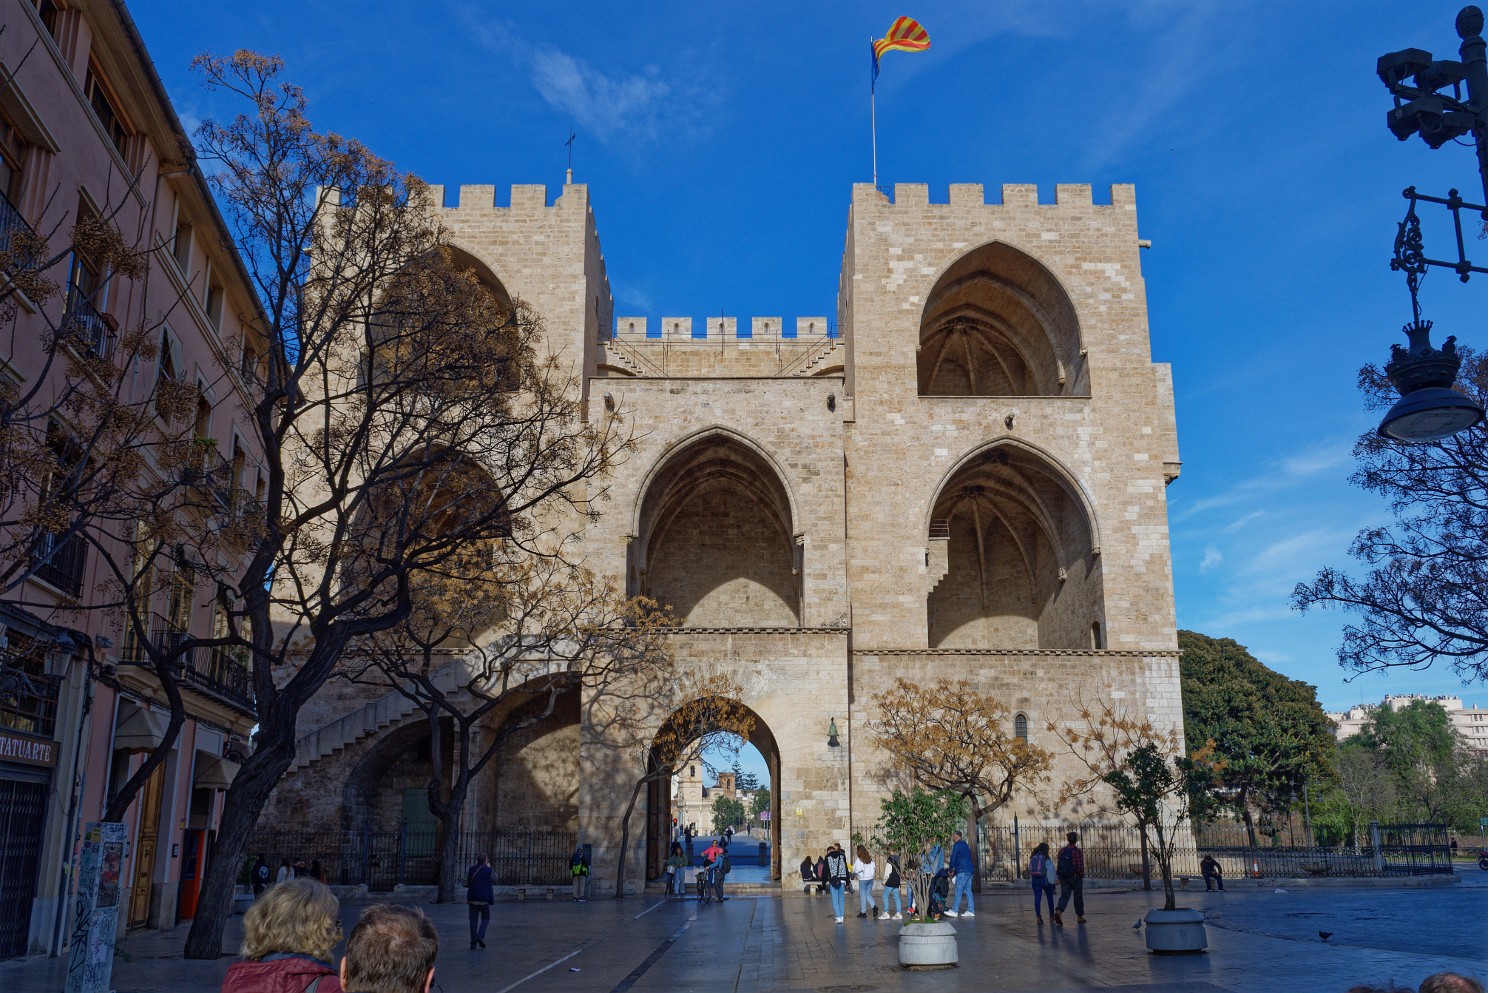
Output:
(145, 845)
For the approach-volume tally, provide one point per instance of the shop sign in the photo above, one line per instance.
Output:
(27, 750)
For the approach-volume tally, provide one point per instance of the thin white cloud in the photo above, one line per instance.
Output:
(1212, 558)
(1236, 525)
(631, 105)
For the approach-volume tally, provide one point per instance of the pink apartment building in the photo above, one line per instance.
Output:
(86, 126)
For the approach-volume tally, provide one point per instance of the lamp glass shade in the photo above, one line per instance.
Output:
(1430, 415)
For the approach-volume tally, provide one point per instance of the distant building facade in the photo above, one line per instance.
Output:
(86, 127)
(1470, 722)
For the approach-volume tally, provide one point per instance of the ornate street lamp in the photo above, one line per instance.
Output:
(1429, 409)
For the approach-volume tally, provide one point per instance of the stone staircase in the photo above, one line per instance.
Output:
(937, 554)
(825, 357)
(348, 730)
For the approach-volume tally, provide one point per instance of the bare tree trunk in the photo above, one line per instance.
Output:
(973, 819)
(1146, 856)
(250, 791)
(625, 837)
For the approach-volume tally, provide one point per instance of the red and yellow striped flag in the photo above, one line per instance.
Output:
(906, 35)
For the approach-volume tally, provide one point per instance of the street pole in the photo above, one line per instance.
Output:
(1474, 52)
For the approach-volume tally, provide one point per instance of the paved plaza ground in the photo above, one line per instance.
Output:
(1260, 938)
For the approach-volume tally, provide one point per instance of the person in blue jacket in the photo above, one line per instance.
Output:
(962, 868)
(479, 895)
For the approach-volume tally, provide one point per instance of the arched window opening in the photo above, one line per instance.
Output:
(1020, 568)
(997, 323)
(1095, 635)
(716, 540)
(1020, 727)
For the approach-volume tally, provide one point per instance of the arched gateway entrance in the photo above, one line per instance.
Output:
(660, 807)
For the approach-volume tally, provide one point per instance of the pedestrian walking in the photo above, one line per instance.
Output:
(836, 874)
(260, 876)
(962, 868)
(864, 871)
(286, 871)
(479, 894)
(1213, 874)
(578, 868)
(1040, 876)
(892, 894)
(1070, 868)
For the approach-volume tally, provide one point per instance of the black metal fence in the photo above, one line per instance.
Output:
(381, 860)
(1115, 852)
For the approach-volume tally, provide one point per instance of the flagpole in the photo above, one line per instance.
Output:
(873, 116)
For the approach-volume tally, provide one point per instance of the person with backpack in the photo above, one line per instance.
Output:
(260, 877)
(836, 874)
(479, 895)
(1070, 868)
(722, 868)
(1040, 875)
(578, 868)
(891, 892)
(962, 867)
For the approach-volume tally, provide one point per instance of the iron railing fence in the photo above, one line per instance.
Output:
(381, 860)
(1115, 852)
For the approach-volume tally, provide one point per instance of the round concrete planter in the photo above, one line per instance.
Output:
(1176, 932)
(927, 946)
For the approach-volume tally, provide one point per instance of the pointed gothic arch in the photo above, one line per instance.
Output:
(715, 536)
(998, 323)
(1022, 556)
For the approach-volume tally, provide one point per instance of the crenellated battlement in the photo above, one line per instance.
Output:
(1122, 196)
(476, 197)
(676, 347)
(722, 328)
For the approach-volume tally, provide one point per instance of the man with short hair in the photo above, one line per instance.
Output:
(1450, 982)
(479, 894)
(391, 950)
(578, 868)
(1070, 868)
(962, 867)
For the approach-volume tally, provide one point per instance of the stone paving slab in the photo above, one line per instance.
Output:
(1259, 940)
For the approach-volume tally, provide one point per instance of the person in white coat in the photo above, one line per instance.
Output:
(864, 869)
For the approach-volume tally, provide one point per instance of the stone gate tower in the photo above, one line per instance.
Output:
(960, 474)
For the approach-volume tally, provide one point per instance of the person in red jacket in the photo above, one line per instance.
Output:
(288, 937)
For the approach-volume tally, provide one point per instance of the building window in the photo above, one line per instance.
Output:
(47, 11)
(181, 246)
(106, 106)
(214, 304)
(1020, 727)
(12, 159)
(1095, 635)
(165, 376)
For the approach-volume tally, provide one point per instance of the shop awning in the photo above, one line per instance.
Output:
(139, 730)
(213, 772)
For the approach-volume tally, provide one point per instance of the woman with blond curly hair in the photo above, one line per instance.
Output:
(288, 937)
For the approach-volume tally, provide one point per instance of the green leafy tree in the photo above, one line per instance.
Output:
(909, 825)
(1270, 731)
(759, 802)
(1434, 774)
(727, 813)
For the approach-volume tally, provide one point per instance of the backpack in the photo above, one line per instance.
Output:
(1036, 867)
(1065, 868)
(727, 866)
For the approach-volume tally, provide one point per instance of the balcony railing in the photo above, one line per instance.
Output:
(214, 671)
(11, 222)
(92, 331)
(59, 561)
(28, 700)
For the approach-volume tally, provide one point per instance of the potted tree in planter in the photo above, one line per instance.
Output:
(1151, 780)
(909, 824)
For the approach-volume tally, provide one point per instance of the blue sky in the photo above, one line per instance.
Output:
(720, 141)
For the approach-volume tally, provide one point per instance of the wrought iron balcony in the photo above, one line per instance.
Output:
(11, 222)
(214, 672)
(28, 700)
(60, 562)
(93, 332)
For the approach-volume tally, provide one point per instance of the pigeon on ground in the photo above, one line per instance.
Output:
(1325, 935)
(1137, 926)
